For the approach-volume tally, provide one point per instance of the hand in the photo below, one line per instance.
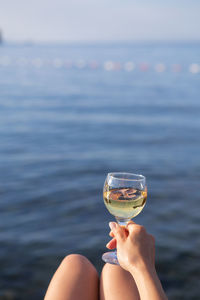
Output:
(135, 247)
(136, 254)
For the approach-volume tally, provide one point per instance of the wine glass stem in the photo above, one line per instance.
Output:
(122, 222)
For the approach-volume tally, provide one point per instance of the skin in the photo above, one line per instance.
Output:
(135, 278)
(136, 254)
(75, 279)
(117, 284)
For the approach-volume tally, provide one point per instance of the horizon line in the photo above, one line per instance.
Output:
(125, 41)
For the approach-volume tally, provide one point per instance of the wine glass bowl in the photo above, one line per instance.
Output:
(124, 196)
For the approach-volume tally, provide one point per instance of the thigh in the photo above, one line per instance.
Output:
(117, 284)
(75, 279)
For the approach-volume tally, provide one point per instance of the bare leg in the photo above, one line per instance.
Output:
(75, 279)
(117, 284)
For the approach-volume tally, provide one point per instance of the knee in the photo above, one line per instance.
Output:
(75, 259)
(110, 270)
(79, 263)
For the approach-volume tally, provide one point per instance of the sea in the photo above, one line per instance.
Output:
(69, 114)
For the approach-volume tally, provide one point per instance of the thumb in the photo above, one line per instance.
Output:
(117, 231)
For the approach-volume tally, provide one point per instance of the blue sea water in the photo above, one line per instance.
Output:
(64, 125)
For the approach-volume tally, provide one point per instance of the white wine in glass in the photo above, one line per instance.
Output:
(124, 196)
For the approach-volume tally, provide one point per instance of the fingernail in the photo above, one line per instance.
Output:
(112, 225)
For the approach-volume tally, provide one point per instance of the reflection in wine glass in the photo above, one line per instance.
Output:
(124, 196)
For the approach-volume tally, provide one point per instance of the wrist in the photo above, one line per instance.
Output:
(147, 282)
(142, 269)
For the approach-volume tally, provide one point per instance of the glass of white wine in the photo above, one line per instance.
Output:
(124, 195)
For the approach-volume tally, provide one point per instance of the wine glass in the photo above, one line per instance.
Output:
(124, 196)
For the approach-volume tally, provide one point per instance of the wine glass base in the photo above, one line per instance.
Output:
(110, 257)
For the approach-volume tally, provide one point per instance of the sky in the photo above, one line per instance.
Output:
(99, 20)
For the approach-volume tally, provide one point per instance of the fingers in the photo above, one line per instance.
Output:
(124, 228)
(117, 233)
(130, 222)
(117, 230)
(135, 228)
(111, 234)
(112, 244)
